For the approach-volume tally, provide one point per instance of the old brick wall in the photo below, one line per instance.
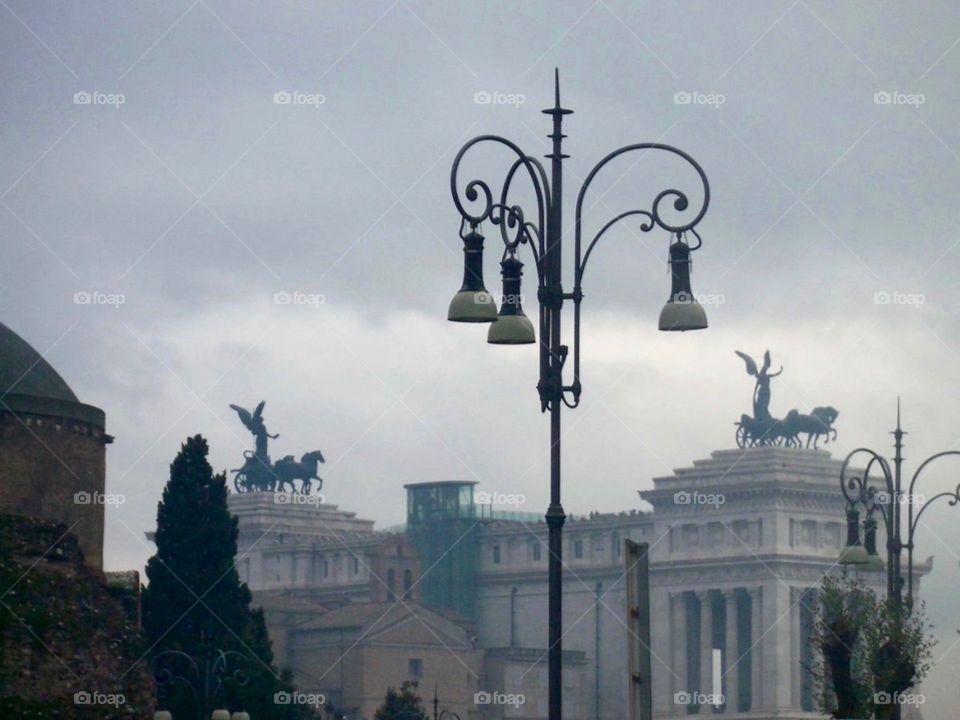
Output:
(54, 469)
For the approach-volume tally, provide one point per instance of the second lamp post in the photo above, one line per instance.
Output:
(542, 233)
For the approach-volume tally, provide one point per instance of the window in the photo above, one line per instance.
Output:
(617, 546)
(407, 584)
(391, 584)
(356, 566)
(578, 549)
(536, 551)
(496, 554)
(415, 668)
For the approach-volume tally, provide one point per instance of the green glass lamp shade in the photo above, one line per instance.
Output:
(682, 311)
(512, 326)
(472, 303)
(854, 555)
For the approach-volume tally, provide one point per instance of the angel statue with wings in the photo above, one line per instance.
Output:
(254, 423)
(761, 393)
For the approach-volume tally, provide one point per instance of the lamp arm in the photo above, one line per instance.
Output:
(653, 219)
(864, 493)
(474, 188)
(954, 496)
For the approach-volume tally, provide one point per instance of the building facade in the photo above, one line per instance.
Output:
(738, 544)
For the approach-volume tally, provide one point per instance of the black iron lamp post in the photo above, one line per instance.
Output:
(542, 233)
(207, 679)
(887, 501)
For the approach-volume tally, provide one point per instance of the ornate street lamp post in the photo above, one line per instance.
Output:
(207, 680)
(543, 234)
(887, 500)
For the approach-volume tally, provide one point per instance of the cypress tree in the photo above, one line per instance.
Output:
(195, 603)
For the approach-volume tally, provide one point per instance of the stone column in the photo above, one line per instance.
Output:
(706, 642)
(756, 646)
(678, 645)
(796, 598)
(731, 665)
(777, 673)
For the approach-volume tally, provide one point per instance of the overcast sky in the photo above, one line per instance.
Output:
(184, 189)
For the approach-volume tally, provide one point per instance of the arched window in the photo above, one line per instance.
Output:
(407, 584)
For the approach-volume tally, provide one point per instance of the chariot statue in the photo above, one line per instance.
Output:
(763, 429)
(259, 474)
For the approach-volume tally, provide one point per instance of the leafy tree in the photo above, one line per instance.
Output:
(402, 704)
(872, 650)
(195, 603)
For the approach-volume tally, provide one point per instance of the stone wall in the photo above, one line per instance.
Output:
(54, 469)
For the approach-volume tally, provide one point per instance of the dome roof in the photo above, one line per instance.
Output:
(23, 371)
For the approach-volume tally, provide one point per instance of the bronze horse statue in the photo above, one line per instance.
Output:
(286, 470)
(818, 423)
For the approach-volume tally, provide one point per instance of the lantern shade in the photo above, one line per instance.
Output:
(512, 330)
(472, 306)
(240, 716)
(682, 315)
(854, 555)
(682, 311)
(512, 326)
(162, 715)
(472, 303)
